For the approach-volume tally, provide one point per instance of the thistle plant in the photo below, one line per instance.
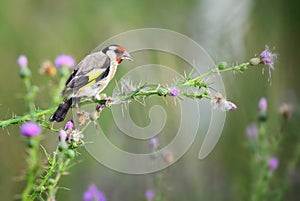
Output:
(265, 146)
(42, 180)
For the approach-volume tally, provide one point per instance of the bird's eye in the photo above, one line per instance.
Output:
(117, 51)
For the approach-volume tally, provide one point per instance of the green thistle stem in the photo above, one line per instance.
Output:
(197, 80)
(19, 119)
(30, 95)
(62, 166)
(138, 93)
(33, 167)
(51, 170)
(59, 163)
(64, 74)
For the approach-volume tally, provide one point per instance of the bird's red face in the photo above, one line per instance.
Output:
(122, 54)
(117, 53)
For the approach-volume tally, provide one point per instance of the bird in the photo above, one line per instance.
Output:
(90, 77)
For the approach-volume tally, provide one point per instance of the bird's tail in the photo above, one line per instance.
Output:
(62, 110)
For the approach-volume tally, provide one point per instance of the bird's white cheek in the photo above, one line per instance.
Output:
(111, 55)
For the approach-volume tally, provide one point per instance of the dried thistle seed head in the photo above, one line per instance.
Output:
(76, 136)
(94, 115)
(48, 68)
(168, 157)
(218, 97)
(82, 117)
(286, 111)
(219, 102)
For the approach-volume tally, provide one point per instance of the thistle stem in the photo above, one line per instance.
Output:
(140, 92)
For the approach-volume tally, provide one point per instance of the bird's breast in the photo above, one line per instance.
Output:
(112, 70)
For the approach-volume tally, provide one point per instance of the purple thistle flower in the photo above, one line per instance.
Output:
(93, 194)
(30, 129)
(64, 60)
(231, 105)
(22, 61)
(69, 125)
(149, 194)
(174, 91)
(62, 135)
(273, 163)
(154, 143)
(252, 131)
(268, 59)
(263, 104)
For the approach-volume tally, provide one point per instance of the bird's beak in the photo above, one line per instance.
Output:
(127, 56)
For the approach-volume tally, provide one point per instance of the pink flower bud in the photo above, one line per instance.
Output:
(263, 104)
(22, 61)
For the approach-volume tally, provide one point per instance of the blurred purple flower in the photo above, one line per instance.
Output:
(22, 61)
(263, 104)
(154, 143)
(149, 194)
(268, 59)
(62, 135)
(69, 125)
(64, 60)
(30, 129)
(252, 131)
(174, 91)
(273, 163)
(93, 194)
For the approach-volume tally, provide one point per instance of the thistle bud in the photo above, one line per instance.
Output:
(24, 72)
(255, 61)
(244, 67)
(62, 146)
(51, 181)
(70, 153)
(162, 91)
(206, 92)
(222, 65)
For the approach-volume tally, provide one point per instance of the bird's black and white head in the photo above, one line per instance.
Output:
(117, 53)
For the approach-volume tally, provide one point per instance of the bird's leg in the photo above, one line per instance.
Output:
(96, 115)
(97, 126)
(52, 124)
(97, 97)
(77, 100)
(106, 99)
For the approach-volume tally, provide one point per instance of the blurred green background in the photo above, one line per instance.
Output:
(229, 30)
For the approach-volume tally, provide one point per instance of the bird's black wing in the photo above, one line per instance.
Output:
(91, 69)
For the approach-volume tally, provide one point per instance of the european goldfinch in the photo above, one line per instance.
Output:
(90, 77)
